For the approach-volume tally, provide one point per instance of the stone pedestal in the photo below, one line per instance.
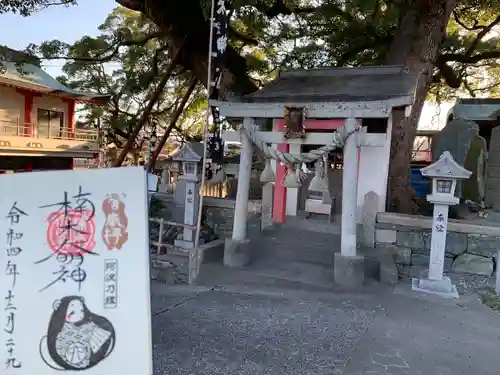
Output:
(190, 215)
(443, 287)
(349, 271)
(236, 252)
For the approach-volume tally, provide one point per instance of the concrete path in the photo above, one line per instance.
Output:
(279, 330)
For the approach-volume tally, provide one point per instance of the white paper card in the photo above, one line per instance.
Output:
(74, 276)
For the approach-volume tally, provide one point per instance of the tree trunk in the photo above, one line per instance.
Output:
(173, 121)
(185, 18)
(415, 45)
(147, 111)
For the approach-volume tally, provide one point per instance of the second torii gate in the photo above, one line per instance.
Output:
(285, 201)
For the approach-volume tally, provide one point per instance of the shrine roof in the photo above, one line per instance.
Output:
(32, 77)
(361, 84)
(476, 109)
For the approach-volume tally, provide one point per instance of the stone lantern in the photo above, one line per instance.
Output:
(190, 156)
(445, 173)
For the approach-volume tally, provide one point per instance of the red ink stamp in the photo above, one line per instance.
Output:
(115, 230)
(71, 232)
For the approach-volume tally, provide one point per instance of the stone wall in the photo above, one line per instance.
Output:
(175, 268)
(219, 211)
(470, 247)
(220, 214)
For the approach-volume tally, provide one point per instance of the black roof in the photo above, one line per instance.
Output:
(337, 85)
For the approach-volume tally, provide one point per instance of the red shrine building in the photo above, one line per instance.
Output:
(37, 122)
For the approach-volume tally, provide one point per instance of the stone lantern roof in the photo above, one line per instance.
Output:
(190, 152)
(446, 167)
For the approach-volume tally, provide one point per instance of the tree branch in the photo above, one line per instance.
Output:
(109, 53)
(173, 121)
(474, 59)
(481, 35)
(457, 19)
(147, 111)
(136, 5)
(244, 38)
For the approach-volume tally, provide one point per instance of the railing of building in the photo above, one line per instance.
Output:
(85, 163)
(16, 128)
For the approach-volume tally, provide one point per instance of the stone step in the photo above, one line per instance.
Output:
(315, 223)
(216, 274)
(285, 275)
(170, 268)
(297, 245)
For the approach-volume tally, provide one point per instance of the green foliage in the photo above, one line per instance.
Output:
(156, 207)
(125, 61)
(131, 52)
(334, 33)
(27, 7)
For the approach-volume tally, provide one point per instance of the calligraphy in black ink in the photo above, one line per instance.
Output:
(11, 361)
(71, 227)
(70, 267)
(440, 228)
(15, 214)
(77, 339)
(11, 269)
(110, 284)
(82, 200)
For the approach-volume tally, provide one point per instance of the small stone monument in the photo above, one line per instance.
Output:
(444, 173)
(190, 158)
(456, 138)
(474, 188)
(493, 171)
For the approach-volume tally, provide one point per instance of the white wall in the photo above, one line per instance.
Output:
(433, 117)
(11, 106)
(373, 170)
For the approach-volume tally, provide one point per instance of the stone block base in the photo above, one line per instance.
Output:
(349, 271)
(388, 270)
(206, 253)
(184, 244)
(443, 288)
(236, 253)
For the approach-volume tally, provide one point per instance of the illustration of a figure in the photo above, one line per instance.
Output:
(114, 233)
(77, 339)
